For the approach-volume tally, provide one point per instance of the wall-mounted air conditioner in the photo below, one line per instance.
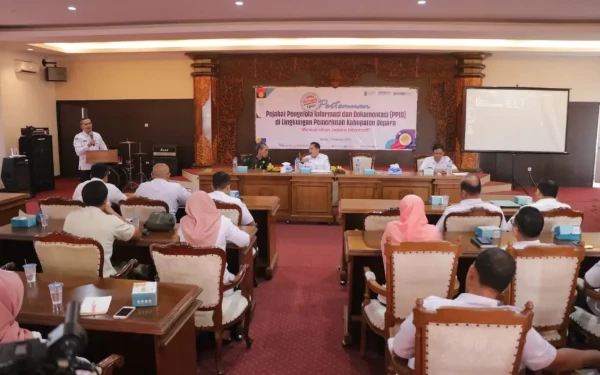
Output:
(26, 67)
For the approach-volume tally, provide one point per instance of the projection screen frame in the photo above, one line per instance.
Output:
(464, 117)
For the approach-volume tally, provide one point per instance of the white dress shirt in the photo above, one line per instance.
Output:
(320, 163)
(466, 205)
(228, 232)
(94, 223)
(226, 198)
(537, 352)
(81, 147)
(430, 163)
(592, 276)
(170, 192)
(544, 204)
(114, 194)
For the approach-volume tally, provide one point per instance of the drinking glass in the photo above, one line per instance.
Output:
(56, 292)
(30, 272)
(445, 200)
(44, 220)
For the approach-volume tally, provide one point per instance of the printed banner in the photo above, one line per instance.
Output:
(346, 118)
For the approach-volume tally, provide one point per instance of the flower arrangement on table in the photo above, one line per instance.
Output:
(273, 169)
(336, 169)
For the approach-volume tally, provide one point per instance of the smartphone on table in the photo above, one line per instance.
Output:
(124, 312)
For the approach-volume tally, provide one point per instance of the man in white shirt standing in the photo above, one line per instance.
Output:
(438, 162)
(221, 183)
(160, 188)
(488, 276)
(470, 191)
(86, 141)
(100, 172)
(97, 220)
(544, 198)
(315, 160)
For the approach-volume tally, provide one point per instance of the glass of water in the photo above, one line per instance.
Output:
(44, 220)
(445, 200)
(30, 272)
(56, 292)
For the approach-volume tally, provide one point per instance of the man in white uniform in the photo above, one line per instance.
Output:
(86, 141)
(97, 220)
(488, 276)
(316, 161)
(470, 191)
(160, 188)
(99, 172)
(438, 162)
(528, 225)
(544, 199)
(221, 183)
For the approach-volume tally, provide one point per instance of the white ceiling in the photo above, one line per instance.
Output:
(95, 12)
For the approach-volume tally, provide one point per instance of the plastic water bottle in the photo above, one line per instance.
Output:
(297, 165)
(357, 165)
(449, 171)
(235, 164)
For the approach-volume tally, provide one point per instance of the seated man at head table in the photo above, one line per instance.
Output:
(100, 172)
(528, 225)
(160, 188)
(470, 191)
(544, 198)
(99, 221)
(488, 276)
(315, 160)
(261, 159)
(438, 162)
(221, 183)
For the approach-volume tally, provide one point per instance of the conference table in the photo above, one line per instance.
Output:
(10, 205)
(351, 215)
(363, 249)
(16, 245)
(153, 340)
(308, 197)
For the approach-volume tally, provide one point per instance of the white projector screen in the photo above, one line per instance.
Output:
(515, 119)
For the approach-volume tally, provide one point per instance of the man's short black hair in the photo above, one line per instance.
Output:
(221, 180)
(316, 144)
(468, 187)
(529, 221)
(438, 146)
(260, 146)
(99, 171)
(94, 193)
(496, 268)
(548, 188)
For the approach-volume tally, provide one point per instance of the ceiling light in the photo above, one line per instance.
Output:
(71, 8)
(29, 49)
(239, 3)
(422, 2)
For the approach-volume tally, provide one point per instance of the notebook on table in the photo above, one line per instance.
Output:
(505, 204)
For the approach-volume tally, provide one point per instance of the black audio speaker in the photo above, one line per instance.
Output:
(168, 155)
(15, 174)
(38, 149)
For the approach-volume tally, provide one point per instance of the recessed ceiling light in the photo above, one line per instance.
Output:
(29, 49)
(239, 3)
(71, 8)
(422, 2)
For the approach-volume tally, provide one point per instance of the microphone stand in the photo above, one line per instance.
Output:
(514, 182)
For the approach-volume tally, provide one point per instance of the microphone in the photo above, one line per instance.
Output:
(531, 177)
(92, 135)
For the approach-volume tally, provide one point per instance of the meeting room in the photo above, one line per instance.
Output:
(253, 187)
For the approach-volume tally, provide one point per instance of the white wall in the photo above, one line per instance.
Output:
(580, 74)
(25, 99)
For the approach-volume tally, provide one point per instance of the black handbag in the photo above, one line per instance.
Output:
(160, 222)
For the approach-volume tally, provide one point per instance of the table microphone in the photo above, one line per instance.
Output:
(531, 177)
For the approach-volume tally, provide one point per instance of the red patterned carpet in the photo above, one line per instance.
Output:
(297, 328)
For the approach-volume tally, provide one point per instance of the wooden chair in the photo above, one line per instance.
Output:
(109, 364)
(59, 207)
(142, 207)
(367, 160)
(584, 322)
(231, 211)
(205, 267)
(8, 267)
(63, 253)
(467, 221)
(413, 270)
(561, 216)
(547, 276)
(418, 160)
(378, 220)
(492, 340)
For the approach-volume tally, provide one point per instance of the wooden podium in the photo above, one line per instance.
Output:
(102, 156)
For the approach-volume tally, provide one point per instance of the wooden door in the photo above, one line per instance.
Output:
(69, 113)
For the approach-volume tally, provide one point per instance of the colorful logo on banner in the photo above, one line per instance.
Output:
(260, 140)
(406, 139)
(309, 101)
(263, 92)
